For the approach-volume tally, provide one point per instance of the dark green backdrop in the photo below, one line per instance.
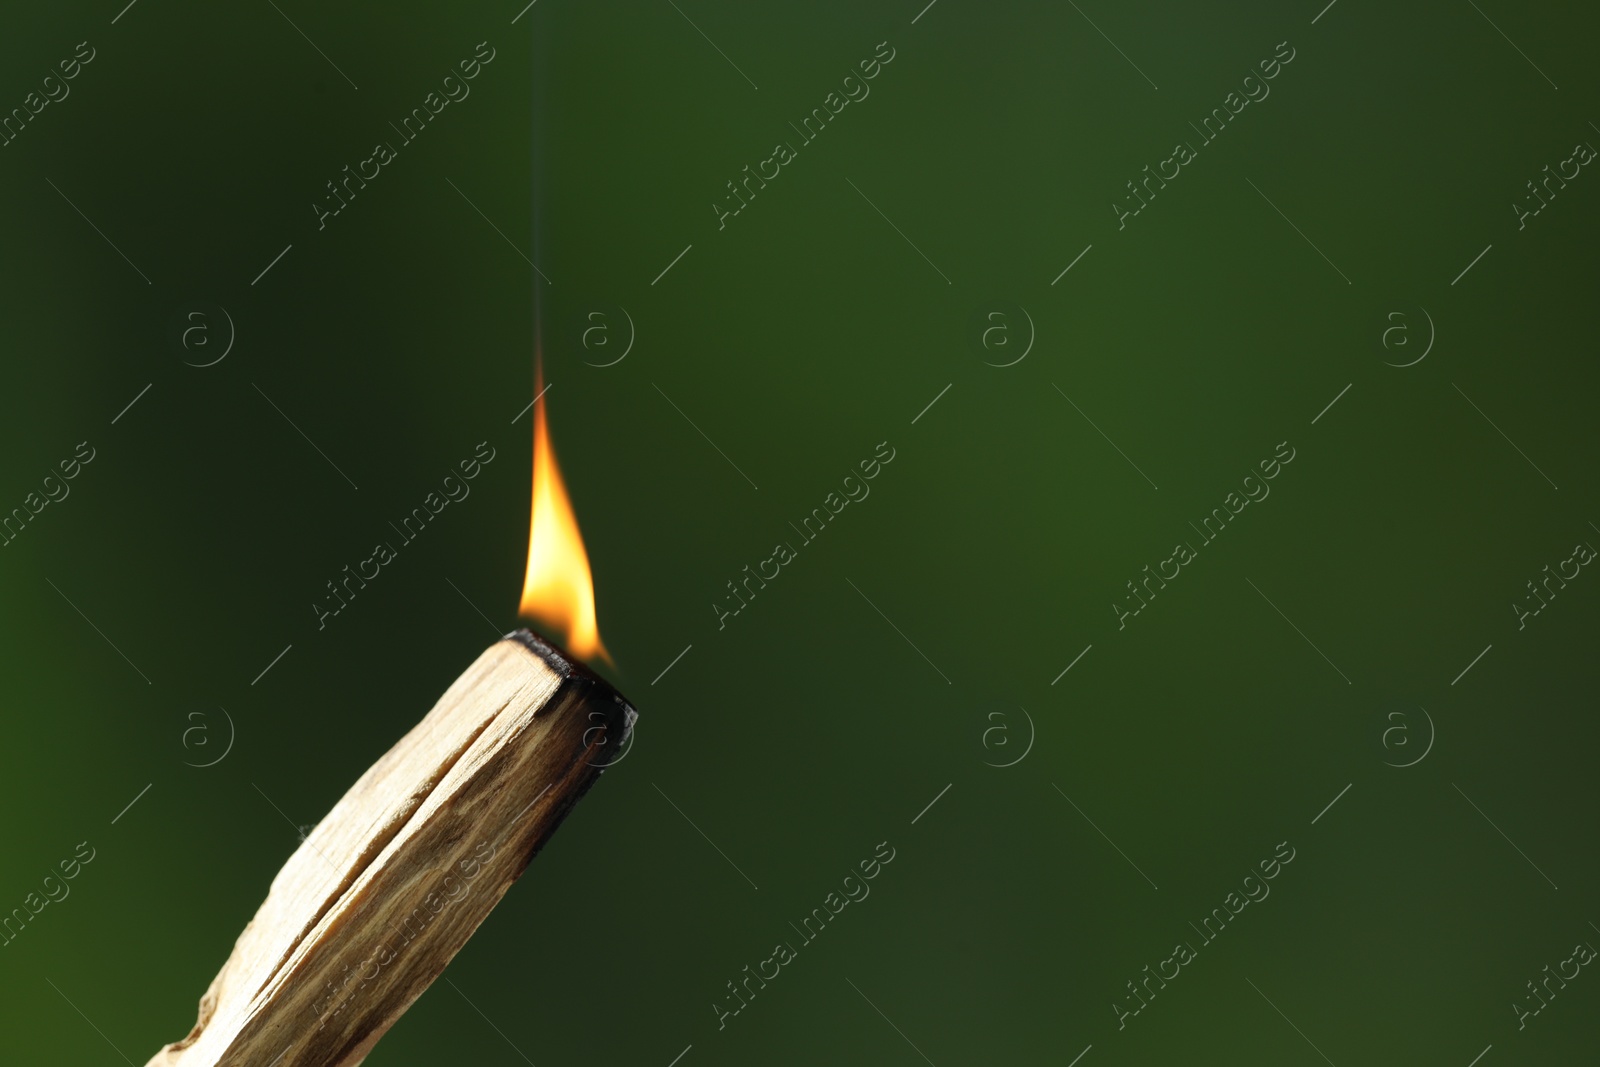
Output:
(922, 639)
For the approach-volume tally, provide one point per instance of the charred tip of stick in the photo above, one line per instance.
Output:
(602, 697)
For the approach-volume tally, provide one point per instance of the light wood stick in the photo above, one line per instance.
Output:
(391, 884)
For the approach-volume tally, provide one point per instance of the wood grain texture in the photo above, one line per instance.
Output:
(390, 885)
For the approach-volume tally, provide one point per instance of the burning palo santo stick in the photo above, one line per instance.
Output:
(391, 884)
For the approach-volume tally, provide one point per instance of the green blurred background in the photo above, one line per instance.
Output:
(922, 639)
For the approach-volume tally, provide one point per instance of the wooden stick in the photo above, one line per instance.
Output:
(391, 884)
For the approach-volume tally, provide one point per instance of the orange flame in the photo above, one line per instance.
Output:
(558, 589)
